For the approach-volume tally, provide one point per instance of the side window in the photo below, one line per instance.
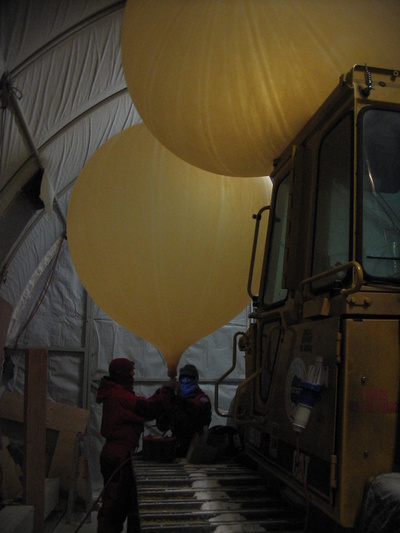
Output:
(380, 133)
(333, 203)
(273, 291)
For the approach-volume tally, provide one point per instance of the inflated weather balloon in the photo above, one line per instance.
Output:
(161, 246)
(227, 84)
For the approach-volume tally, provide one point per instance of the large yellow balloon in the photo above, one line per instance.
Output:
(161, 246)
(227, 84)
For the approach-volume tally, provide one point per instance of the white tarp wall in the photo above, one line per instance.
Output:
(62, 59)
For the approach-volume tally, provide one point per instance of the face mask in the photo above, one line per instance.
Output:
(188, 386)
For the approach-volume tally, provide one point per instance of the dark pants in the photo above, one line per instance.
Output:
(119, 499)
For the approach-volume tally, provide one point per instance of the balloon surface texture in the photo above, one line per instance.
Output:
(227, 84)
(161, 246)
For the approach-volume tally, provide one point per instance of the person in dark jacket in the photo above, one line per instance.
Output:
(189, 411)
(122, 424)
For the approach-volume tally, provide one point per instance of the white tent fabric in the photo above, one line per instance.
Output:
(63, 95)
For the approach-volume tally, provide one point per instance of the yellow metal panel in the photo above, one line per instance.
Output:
(368, 418)
(301, 345)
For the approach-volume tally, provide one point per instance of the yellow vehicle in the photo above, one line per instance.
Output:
(319, 405)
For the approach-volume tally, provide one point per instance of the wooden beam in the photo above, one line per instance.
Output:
(6, 310)
(35, 434)
(65, 419)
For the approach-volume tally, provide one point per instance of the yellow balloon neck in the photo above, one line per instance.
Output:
(172, 372)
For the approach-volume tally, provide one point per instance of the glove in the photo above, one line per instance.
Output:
(171, 384)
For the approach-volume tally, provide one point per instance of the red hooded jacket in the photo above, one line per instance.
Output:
(124, 414)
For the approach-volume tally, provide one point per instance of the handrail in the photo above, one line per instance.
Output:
(266, 354)
(258, 217)
(226, 374)
(253, 420)
(358, 279)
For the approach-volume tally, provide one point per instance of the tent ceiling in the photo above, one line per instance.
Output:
(59, 104)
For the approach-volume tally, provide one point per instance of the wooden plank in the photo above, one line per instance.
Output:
(6, 310)
(12, 406)
(65, 419)
(11, 486)
(17, 518)
(35, 434)
(69, 421)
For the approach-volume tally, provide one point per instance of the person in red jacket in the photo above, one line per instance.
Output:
(122, 424)
(189, 412)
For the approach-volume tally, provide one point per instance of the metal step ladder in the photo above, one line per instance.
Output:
(200, 498)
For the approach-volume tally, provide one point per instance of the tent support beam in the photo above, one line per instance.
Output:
(9, 100)
(35, 434)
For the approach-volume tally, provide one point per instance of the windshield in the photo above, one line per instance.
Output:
(333, 209)
(381, 194)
